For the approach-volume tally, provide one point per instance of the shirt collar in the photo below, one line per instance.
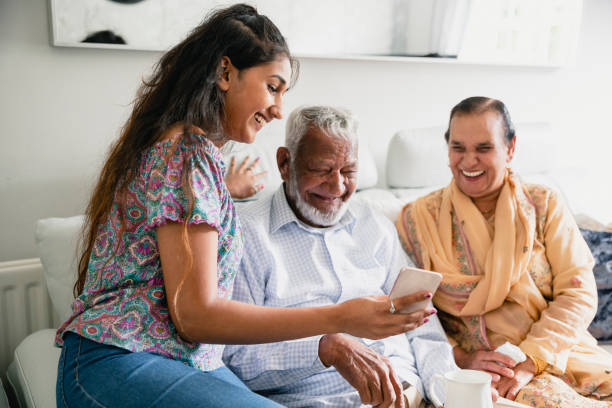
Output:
(281, 214)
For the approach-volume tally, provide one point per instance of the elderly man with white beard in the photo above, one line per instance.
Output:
(310, 245)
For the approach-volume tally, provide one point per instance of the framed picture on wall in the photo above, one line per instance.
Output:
(312, 27)
(473, 31)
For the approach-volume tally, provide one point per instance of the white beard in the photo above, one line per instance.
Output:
(312, 214)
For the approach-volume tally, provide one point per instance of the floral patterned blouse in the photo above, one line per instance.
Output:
(123, 302)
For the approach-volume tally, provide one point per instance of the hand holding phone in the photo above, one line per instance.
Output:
(411, 280)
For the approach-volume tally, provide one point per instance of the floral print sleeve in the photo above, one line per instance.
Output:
(177, 171)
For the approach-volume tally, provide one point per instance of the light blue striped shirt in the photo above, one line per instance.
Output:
(287, 263)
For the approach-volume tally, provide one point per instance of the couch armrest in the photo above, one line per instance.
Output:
(33, 372)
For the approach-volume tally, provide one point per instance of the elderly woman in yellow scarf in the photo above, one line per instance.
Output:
(515, 269)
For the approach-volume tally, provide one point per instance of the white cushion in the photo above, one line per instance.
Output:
(382, 201)
(33, 372)
(57, 239)
(407, 195)
(367, 175)
(535, 149)
(418, 158)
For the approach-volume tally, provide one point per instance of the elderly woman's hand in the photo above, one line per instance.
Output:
(497, 364)
(242, 182)
(523, 373)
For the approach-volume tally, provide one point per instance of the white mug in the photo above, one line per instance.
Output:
(464, 389)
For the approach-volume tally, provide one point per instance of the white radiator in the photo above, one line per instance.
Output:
(25, 306)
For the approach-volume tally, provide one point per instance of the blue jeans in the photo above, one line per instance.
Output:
(98, 375)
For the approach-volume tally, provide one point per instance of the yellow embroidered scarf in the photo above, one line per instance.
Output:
(497, 264)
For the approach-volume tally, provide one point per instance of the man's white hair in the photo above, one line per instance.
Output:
(336, 122)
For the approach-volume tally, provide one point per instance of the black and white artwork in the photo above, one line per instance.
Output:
(495, 31)
(312, 27)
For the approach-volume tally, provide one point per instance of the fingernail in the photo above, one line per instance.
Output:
(425, 320)
(428, 295)
(433, 311)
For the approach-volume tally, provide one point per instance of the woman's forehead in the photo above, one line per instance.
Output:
(484, 126)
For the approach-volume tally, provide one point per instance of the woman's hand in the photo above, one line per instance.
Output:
(370, 317)
(523, 373)
(242, 182)
(497, 364)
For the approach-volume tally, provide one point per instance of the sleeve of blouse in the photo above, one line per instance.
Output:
(185, 182)
(564, 322)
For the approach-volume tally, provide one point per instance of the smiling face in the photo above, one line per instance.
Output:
(321, 179)
(478, 153)
(253, 97)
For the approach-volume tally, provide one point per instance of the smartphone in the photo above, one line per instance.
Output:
(411, 280)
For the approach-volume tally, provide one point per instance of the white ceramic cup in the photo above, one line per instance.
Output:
(464, 389)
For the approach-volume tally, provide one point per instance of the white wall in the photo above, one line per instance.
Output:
(61, 107)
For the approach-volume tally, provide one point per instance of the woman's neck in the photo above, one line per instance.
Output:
(486, 204)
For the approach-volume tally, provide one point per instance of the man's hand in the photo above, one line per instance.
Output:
(486, 361)
(369, 372)
(523, 373)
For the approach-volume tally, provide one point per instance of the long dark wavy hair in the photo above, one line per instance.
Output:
(182, 88)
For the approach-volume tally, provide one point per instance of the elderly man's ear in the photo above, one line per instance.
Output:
(283, 159)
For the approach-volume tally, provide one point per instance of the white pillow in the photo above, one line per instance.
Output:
(407, 195)
(536, 148)
(367, 176)
(57, 240)
(382, 201)
(418, 158)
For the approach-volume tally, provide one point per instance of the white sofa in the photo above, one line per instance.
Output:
(416, 164)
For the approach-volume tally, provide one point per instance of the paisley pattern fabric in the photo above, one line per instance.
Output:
(600, 243)
(560, 269)
(539, 391)
(123, 302)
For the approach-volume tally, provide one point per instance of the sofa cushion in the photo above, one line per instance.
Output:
(536, 148)
(382, 201)
(417, 158)
(56, 239)
(34, 370)
(367, 175)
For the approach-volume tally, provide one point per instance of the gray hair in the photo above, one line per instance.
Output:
(336, 122)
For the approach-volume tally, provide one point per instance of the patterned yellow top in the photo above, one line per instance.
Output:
(559, 266)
